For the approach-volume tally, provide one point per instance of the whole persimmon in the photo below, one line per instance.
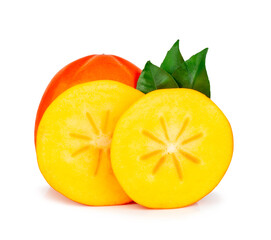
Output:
(87, 69)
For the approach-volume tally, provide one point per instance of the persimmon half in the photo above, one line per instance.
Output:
(74, 139)
(171, 148)
(87, 69)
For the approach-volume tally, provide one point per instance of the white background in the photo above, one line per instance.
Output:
(39, 37)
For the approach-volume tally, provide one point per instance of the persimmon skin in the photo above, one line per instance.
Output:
(87, 69)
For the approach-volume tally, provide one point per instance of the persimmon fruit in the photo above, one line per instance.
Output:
(74, 138)
(86, 69)
(171, 148)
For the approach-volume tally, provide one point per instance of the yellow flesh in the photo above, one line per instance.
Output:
(74, 138)
(171, 148)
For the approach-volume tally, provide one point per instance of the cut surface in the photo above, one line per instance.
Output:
(171, 148)
(74, 139)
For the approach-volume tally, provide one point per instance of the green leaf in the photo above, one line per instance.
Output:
(192, 74)
(153, 77)
(173, 59)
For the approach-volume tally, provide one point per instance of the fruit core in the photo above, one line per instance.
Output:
(171, 148)
(102, 141)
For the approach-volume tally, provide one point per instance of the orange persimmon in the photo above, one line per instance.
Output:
(87, 69)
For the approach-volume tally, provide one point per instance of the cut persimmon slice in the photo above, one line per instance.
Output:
(74, 138)
(171, 148)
